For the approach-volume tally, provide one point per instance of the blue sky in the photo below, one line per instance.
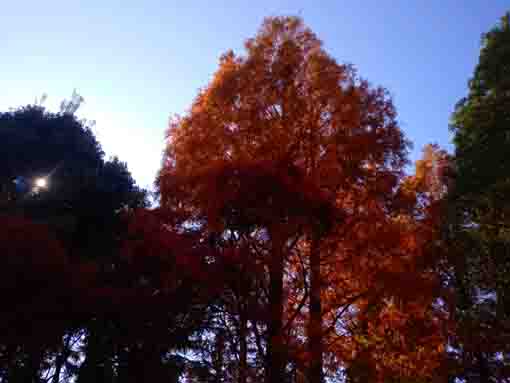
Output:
(138, 62)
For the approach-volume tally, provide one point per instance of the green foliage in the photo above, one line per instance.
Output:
(481, 122)
(480, 210)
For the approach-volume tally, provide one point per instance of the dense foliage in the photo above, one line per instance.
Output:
(479, 224)
(292, 154)
(288, 245)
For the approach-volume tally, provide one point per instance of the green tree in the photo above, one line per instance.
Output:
(480, 210)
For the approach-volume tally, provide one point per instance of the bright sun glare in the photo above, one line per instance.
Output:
(41, 182)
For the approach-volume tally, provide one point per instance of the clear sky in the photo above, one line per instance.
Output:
(138, 62)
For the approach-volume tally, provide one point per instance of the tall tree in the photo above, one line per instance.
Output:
(479, 219)
(286, 141)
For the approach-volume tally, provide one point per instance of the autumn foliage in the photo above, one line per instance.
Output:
(286, 141)
(289, 244)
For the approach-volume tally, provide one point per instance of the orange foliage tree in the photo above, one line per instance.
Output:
(286, 141)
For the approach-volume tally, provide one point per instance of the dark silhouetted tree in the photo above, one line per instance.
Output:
(478, 218)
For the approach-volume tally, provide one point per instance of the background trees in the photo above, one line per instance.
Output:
(479, 206)
(78, 207)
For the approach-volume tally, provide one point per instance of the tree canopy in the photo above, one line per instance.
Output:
(289, 243)
(479, 211)
(286, 141)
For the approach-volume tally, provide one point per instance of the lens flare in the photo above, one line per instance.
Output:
(41, 183)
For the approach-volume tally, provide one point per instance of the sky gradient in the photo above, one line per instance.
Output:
(138, 62)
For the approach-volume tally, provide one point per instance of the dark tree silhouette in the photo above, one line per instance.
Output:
(479, 210)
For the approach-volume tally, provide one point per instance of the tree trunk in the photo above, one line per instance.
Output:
(61, 358)
(483, 368)
(143, 365)
(258, 341)
(242, 344)
(97, 366)
(218, 359)
(275, 351)
(88, 369)
(34, 366)
(123, 364)
(315, 321)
